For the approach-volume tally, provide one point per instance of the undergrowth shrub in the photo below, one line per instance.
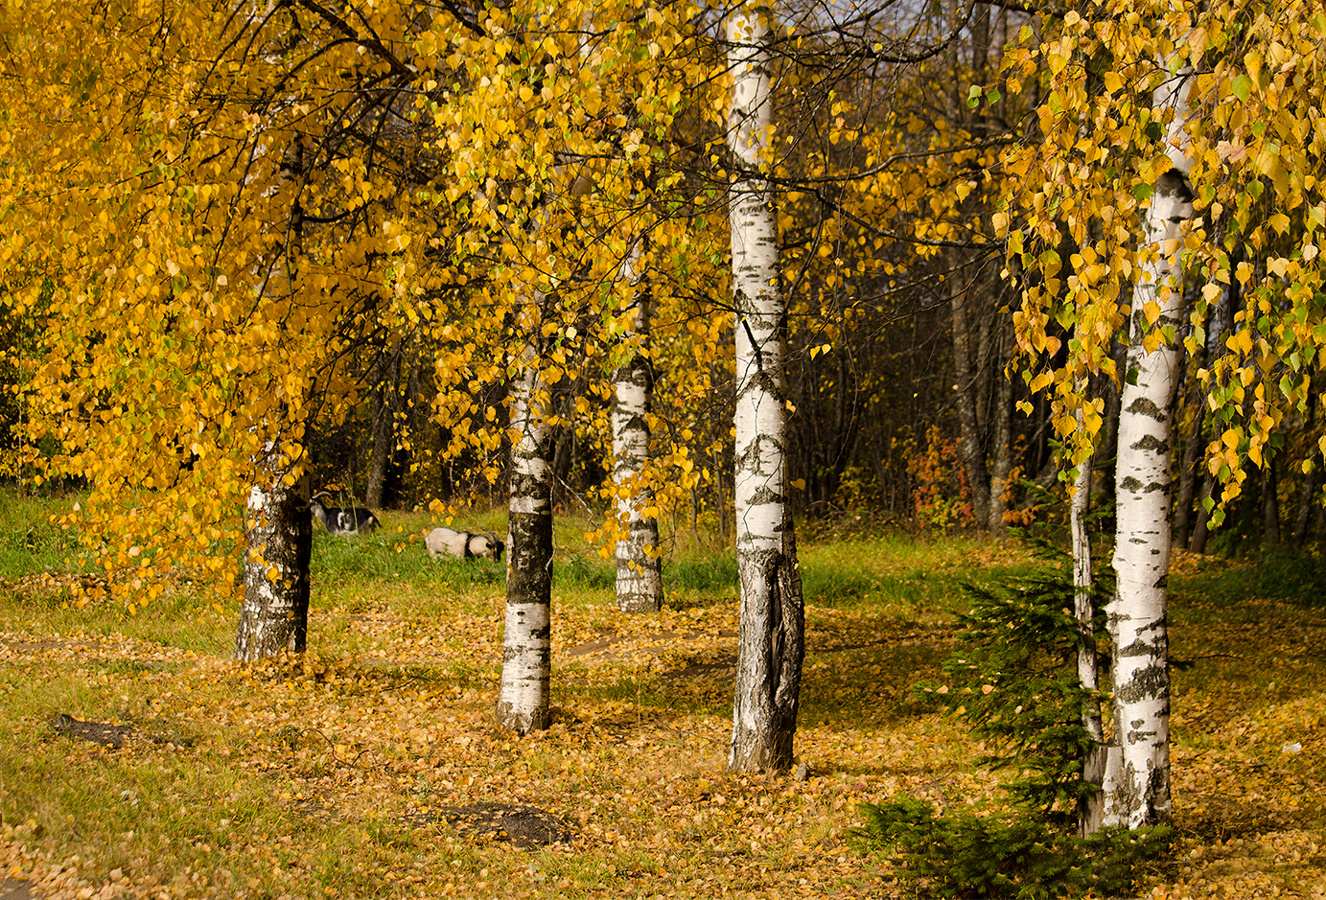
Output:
(1009, 856)
(1013, 681)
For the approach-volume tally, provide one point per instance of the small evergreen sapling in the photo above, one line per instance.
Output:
(1014, 682)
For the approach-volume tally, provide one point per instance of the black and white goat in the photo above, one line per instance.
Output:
(464, 544)
(346, 522)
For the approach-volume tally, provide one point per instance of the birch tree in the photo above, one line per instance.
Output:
(523, 699)
(1138, 630)
(1202, 155)
(770, 637)
(206, 269)
(639, 567)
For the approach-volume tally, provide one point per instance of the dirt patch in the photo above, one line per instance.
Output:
(12, 889)
(590, 647)
(726, 665)
(103, 733)
(527, 827)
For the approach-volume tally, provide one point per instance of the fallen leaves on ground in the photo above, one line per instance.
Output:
(351, 771)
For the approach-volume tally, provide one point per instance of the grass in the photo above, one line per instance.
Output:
(332, 775)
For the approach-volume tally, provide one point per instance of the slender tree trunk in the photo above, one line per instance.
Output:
(1270, 504)
(1001, 451)
(274, 614)
(1096, 764)
(967, 385)
(1201, 530)
(386, 401)
(1308, 500)
(639, 568)
(966, 370)
(1311, 483)
(771, 631)
(523, 698)
(1142, 545)
(1183, 505)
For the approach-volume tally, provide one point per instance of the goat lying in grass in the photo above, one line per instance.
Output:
(345, 522)
(463, 544)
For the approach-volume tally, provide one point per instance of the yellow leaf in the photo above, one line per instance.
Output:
(1240, 342)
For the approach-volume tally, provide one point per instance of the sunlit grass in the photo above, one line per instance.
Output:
(331, 775)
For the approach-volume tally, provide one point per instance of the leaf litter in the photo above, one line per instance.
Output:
(371, 765)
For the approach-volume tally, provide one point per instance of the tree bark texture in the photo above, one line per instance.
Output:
(1142, 545)
(274, 614)
(639, 568)
(385, 403)
(523, 698)
(966, 386)
(771, 632)
(1091, 810)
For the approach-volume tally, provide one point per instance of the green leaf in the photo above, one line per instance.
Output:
(1241, 87)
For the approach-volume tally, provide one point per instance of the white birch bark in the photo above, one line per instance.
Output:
(523, 696)
(274, 613)
(639, 570)
(523, 703)
(1141, 794)
(770, 636)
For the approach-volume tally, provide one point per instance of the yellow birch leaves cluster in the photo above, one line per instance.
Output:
(1257, 143)
(215, 217)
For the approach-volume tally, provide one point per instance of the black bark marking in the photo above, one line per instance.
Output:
(1152, 443)
(1143, 406)
(1150, 682)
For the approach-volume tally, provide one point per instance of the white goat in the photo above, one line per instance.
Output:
(463, 544)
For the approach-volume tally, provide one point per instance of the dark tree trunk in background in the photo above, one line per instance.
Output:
(1270, 505)
(967, 385)
(385, 405)
(1001, 451)
(1308, 499)
(1188, 471)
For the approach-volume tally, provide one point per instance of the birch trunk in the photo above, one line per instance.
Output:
(274, 615)
(770, 635)
(522, 703)
(1142, 545)
(279, 525)
(639, 569)
(1091, 808)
